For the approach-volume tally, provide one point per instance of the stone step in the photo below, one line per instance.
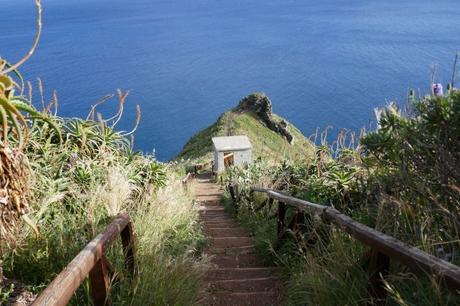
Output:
(229, 242)
(272, 283)
(237, 261)
(224, 232)
(206, 218)
(211, 217)
(223, 221)
(211, 210)
(236, 276)
(214, 214)
(235, 273)
(208, 202)
(250, 249)
(243, 299)
(220, 223)
(207, 226)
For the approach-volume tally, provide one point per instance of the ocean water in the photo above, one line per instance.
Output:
(322, 63)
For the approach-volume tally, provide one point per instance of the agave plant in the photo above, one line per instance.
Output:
(14, 189)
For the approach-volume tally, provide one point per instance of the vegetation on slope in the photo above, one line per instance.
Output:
(64, 179)
(77, 183)
(402, 180)
(266, 143)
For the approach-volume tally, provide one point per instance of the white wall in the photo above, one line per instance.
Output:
(219, 161)
(240, 158)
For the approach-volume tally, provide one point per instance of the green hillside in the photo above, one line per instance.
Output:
(266, 142)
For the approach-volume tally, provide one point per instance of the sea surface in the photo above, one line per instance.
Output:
(185, 62)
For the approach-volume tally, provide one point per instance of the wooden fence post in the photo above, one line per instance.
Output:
(237, 194)
(127, 240)
(378, 268)
(281, 217)
(299, 222)
(233, 189)
(100, 282)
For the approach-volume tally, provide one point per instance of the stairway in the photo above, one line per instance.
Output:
(237, 277)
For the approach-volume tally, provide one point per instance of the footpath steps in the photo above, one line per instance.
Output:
(237, 277)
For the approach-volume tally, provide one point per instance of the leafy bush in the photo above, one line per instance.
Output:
(402, 179)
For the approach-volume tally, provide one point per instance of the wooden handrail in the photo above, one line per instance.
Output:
(202, 166)
(187, 178)
(91, 262)
(383, 246)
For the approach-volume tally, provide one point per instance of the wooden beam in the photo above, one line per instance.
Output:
(127, 241)
(298, 203)
(100, 282)
(410, 256)
(62, 288)
(281, 218)
(394, 248)
(379, 265)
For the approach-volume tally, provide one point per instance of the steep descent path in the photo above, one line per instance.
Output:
(236, 277)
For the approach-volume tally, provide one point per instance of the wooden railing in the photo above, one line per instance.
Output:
(194, 171)
(186, 179)
(92, 262)
(383, 247)
(202, 166)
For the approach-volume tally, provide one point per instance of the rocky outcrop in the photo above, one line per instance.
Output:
(261, 106)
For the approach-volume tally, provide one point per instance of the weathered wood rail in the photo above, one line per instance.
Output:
(92, 262)
(191, 175)
(187, 178)
(383, 247)
(203, 166)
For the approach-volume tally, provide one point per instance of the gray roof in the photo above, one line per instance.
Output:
(231, 143)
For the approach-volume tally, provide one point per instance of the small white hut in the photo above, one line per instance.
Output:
(231, 150)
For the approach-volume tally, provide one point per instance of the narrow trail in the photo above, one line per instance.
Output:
(237, 277)
(229, 130)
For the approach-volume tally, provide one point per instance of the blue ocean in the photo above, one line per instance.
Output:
(185, 62)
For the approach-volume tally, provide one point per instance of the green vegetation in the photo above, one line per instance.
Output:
(266, 143)
(402, 180)
(199, 147)
(62, 182)
(75, 176)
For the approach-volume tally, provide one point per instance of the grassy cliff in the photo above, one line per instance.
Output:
(266, 142)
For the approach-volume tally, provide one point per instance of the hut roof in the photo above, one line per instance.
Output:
(231, 143)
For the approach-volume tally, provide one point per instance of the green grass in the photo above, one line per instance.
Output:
(314, 275)
(396, 181)
(199, 147)
(266, 143)
(168, 249)
(76, 185)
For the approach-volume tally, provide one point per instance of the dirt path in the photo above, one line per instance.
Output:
(229, 124)
(237, 276)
